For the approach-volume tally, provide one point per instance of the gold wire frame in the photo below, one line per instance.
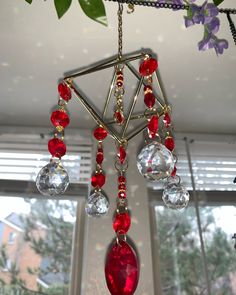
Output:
(122, 137)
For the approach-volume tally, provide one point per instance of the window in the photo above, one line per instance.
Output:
(12, 237)
(41, 258)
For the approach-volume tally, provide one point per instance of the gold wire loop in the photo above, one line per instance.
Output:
(130, 8)
(119, 238)
(121, 167)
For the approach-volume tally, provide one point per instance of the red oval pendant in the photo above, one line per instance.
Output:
(122, 269)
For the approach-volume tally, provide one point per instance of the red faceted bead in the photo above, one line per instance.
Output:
(121, 179)
(99, 156)
(148, 66)
(98, 180)
(119, 117)
(122, 195)
(122, 186)
(149, 99)
(64, 91)
(173, 173)
(119, 83)
(100, 133)
(56, 147)
(119, 73)
(122, 269)
(153, 126)
(60, 118)
(170, 143)
(121, 223)
(122, 154)
(167, 120)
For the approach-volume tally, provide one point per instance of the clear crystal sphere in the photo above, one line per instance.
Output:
(175, 195)
(97, 204)
(52, 179)
(155, 161)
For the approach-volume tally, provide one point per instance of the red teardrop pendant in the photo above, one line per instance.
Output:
(122, 269)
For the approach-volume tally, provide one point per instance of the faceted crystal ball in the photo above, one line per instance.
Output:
(175, 195)
(97, 204)
(155, 161)
(52, 179)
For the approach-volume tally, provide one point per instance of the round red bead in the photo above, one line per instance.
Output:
(148, 66)
(119, 83)
(60, 118)
(170, 143)
(122, 195)
(57, 147)
(64, 91)
(122, 223)
(98, 180)
(147, 88)
(122, 186)
(153, 126)
(149, 99)
(122, 269)
(121, 179)
(100, 133)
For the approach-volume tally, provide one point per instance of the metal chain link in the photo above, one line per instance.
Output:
(232, 27)
(120, 31)
(167, 5)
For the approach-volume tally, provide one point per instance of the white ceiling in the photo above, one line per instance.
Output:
(37, 49)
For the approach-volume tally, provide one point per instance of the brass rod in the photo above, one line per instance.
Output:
(158, 99)
(92, 112)
(161, 91)
(109, 95)
(140, 129)
(135, 117)
(105, 65)
(132, 107)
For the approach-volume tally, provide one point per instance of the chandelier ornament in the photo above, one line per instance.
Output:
(156, 160)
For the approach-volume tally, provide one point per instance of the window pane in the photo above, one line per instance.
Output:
(220, 252)
(181, 266)
(36, 244)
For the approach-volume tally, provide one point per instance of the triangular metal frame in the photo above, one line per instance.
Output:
(101, 120)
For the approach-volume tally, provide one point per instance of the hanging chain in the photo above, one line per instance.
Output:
(167, 5)
(120, 31)
(232, 27)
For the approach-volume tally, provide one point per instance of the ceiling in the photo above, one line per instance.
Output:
(37, 49)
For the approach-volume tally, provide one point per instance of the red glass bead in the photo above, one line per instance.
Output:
(98, 180)
(173, 173)
(153, 126)
(119, 73)
(60, 118)
(56, 147)
(119, 83)
(122, 195)
(119, 117)
(121, 223)
(122, 269)
(147, 88)
(100, 133)
(122, 154)
(64, 91)
(167, 120)
(170, 143)
(120, 78)
(122, 186)
(149, 99)
(121, 179)
(99, 156)
(148, 66)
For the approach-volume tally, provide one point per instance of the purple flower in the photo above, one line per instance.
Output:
(211, 41)
(213, 26)
(208, 11)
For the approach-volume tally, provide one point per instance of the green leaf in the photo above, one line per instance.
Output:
(218, 2)
(29, 1)
(62, 6)
(95, 10)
